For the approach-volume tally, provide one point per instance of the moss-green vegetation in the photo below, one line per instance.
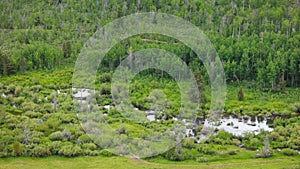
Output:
(124, 163)
(257, 41)
(39, 121)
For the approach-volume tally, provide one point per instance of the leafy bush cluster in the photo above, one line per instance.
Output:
(38, 121)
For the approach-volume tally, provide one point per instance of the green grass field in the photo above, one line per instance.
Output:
(123, 162)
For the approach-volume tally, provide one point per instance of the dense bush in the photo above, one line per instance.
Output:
(289, 152)
(53, 123)
(252, 143)
(17, 148)
(35, 136)
(18, 91)
(89, 152)
(207, 149)
(175, 154)
(11, 88)
(55, 146)
(90, 149)
(47, 108)
(90, 146)
(106, 153)
(70, 151)
(36, 88)
(29, 106)
(236, 142)
(35, 150)
(189, 143)
(105, 89)
(202, 159)
(296, 107)
(223, 138)
(38, 56)
(33, 114)
(85, 138)
(56, 136)
(18, 101)
(68, 118)
(40, 151)
(105, 78)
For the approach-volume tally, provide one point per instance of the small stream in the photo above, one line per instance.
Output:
(237, 126)
(81, 93)
(240, 126)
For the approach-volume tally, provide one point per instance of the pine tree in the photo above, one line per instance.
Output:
(266, 151)
(17, 148)
(22, 64)
(201, 86)
(3, 113)
(241, 94)
(6, 63)
(67, 49)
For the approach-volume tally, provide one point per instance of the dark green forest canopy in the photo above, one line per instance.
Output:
(256, 40)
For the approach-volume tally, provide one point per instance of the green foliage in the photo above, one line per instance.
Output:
(252, 144)
(174, 154)
(202, 159)
(296, 107)
(241, 94)
(18, 91)
(85, 138)
(289, 152)
(70, 151)
(225, 137)
(17, 148)
(55, 146)
(90, 146)
(189, 143)
(266, 151)
(38, 56)
(33, 114)
(47, 108)
(89, 152)
(29, 106)
(258, 43)
(106, 153)
(105, 89)
(56, 136)
(36, 88)
(67, 49)
(207, 149)
(7, 66)
(68, 118)
(11, 88)
(105, 78)
(40, 151)
(122, 130)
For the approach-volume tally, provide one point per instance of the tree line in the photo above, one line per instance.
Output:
(257, 41)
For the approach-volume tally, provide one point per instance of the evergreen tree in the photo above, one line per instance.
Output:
(67, 49)
(6, 64)
(241, 94)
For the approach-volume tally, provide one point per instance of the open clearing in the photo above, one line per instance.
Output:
(123, 162)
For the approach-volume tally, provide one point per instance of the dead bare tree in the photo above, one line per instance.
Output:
(58, 2)
(26, 134)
